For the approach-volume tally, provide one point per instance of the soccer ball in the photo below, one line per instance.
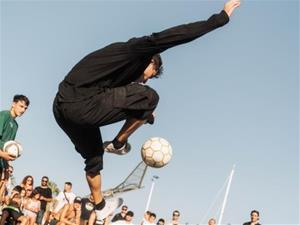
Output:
(156, 152)
(13, 148)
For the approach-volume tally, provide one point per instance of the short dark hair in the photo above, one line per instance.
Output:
(33, 193)
(161, 220)
(159, 65)
(68, 183)
(153, 215)
(18, 98)
(176, 211)
(130, 213)
(17, 188)
(254, 211)
(45, 177)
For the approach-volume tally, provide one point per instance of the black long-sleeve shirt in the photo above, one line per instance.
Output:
(124, 62)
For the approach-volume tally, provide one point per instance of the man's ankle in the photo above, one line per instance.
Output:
(118, 144)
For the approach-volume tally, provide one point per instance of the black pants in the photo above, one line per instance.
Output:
(81, 120)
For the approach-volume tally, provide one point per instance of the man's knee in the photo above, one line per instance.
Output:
(153, 98)
(94, 165)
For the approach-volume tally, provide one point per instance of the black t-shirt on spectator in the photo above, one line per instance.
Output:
(87, 208)
(45, 192)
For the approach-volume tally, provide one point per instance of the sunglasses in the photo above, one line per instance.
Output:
(45, 181)
(176, 215)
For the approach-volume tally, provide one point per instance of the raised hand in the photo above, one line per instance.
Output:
(230, 6)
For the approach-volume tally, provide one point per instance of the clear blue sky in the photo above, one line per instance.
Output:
(230, 97)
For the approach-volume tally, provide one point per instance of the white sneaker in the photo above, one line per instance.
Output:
(110, 148)
(110, 206)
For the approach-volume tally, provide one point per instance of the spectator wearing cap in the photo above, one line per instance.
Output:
(121, 215)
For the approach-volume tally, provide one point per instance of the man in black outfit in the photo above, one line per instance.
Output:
(45, 197)
(108, 86)
(121, 215)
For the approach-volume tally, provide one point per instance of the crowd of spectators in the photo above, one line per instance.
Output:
(26, 204)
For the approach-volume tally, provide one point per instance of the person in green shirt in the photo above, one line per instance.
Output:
(8, 131)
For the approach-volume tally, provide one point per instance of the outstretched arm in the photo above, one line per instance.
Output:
(161, 41)
(230, 6)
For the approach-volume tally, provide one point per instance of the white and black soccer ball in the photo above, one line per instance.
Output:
(156, 152)
(13, 148)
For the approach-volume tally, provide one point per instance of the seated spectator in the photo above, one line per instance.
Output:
(121, 215)
(152, 219)
(161, 221)
(5, 184)
(212, 221)
(69, 214)
(32, 207)
(45, 198)
(64, 197)
(175, 218)
(127, 219)
(146, 218)
(254, 216)
(87, 207)
(27, 182)
(12, 211)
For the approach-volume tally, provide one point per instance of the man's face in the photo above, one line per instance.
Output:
(77, 205)
(150, 71)
(128, 218)
(175, 216)
(254, 217)
(18, 108)
(211, 222)
(67, 188)
(124, 210)
(152, 219)
(44, 182)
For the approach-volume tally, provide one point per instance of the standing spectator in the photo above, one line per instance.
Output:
(87, 207)
(64, 197)
(121, 215)
(27, 182)
(8, 131)
(45, 197)
(175, 217)
(254, 215)
(32, 207)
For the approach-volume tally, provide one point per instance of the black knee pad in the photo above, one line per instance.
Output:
(94, 165)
